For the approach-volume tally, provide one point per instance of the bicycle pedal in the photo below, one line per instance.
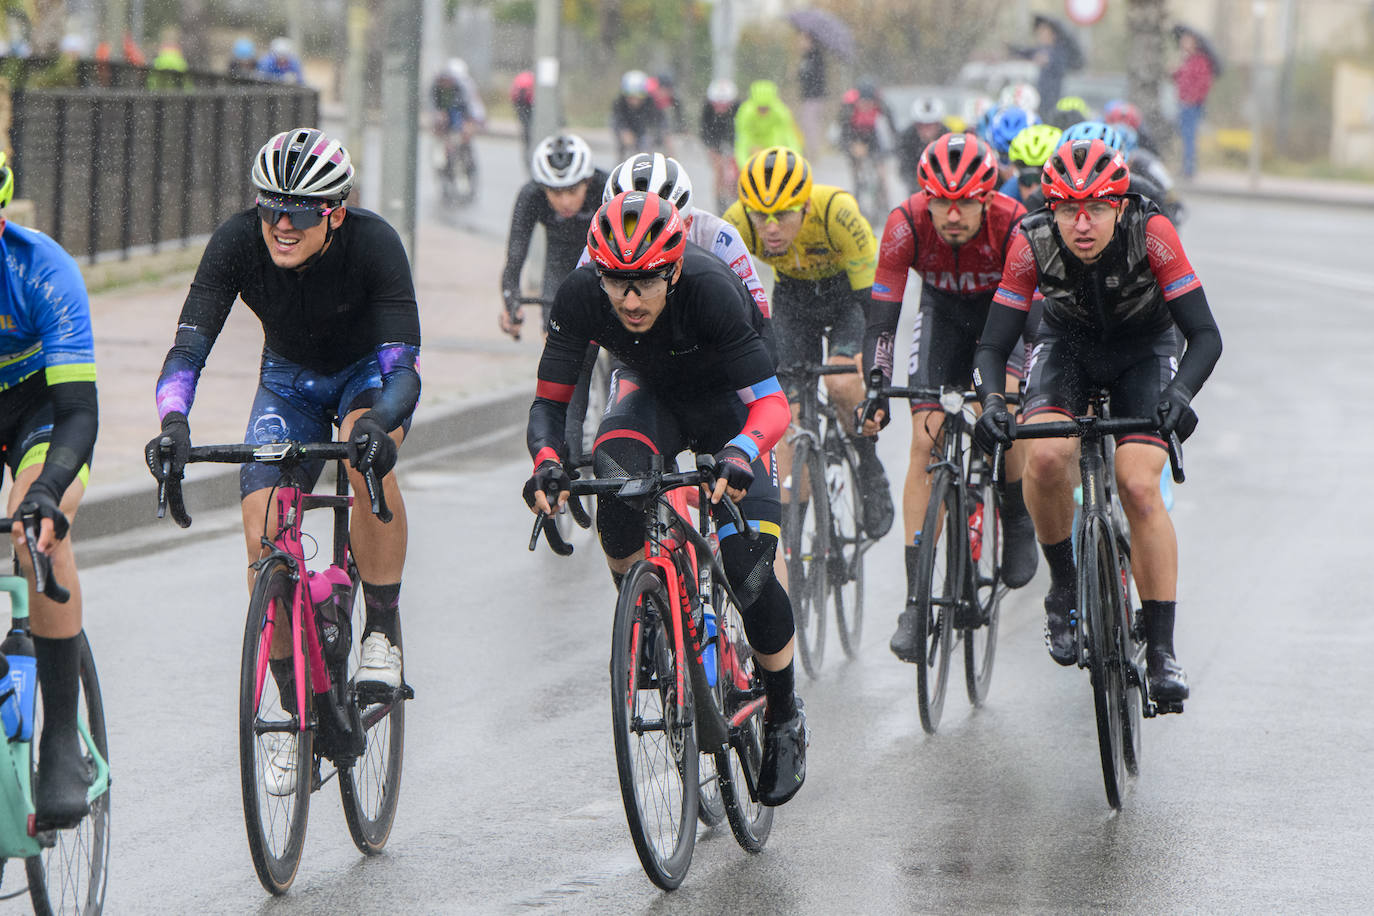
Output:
(1166, 708)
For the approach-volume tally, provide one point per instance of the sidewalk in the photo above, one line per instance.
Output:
(474, 378)
(1237, 184)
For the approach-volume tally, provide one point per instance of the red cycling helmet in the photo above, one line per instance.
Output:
(1084, 170)
(957, 166)
(1119, 112)
(636, 233)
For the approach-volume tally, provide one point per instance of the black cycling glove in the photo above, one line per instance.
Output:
(994, 427)
(42, 501)
(549, 477)
(376, 451)
(868, 409)
(732, 464)
(177, 429)
(1174, 413)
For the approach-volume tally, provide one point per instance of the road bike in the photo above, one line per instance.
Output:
(67, 868)
(958, 588)
(1109, 636)
(823, 538)
(870, 186)
(683, 677)
(304, 628)
(456, 166)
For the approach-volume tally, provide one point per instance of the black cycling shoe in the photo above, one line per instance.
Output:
(1168, 682)
(878, 510)
(1020, 552)
(905, 644)
(63, 780)
(1059, 624)
(784, 759)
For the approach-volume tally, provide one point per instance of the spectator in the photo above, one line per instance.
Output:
(1055, 52)
(280, 63)
(1193, 80)
(169, 66)
(243, 61)
(811, 78)
(764, 121)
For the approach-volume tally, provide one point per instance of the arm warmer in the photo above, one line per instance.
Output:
(1194, 317)
(75, 419)
(1004, 325)
(400, 384)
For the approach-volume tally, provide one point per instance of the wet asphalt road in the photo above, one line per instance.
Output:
(1256, 799)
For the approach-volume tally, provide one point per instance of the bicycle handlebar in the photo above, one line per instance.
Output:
(876, 389)
(815, 371)
(1093, 427)
(169, 493)
(43, 581)
(649, 487)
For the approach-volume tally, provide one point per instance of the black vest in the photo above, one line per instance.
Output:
(1116, 296)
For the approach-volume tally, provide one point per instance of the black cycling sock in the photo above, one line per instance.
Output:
(1013, 502)
(1060, 558)
(779, 687)
(865, 447)
(617, 578)
(913, 555)
(1159, 625)
(383, 610)
(59, 665)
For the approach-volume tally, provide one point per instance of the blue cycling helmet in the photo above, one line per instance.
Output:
(1008, 123)
(1129, 138)
(244, 49)
(1094, 130)
(985, 122)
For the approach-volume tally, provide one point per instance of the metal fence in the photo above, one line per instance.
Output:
(115, 169)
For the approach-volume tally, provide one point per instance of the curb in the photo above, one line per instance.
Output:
(132, 504)
(1322, 197)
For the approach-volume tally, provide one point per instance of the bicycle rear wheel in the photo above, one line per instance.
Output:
(70, 875)
(655, 744)
(276, 759)
(1133, 652)
(370, 787)
(980, 641)
(806, 547)
(742, 689)
(1099, 590)
(939, 589)
(846, 571)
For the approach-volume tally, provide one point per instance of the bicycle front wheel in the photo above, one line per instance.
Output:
(985, 547)
(939, 589)
(806, 548)
(70, 876)
(276, 760)
(1099, 590)
(741, 695)
(655, 744)
(371, 786)
(846, 544)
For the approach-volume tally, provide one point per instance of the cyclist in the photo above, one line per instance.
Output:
(824, 253)
(1143, 181)
(927, 124)
(522, 99)
(1006, 124)
(332, 287)
(48, 402)
(1069, 110)
(954, 234)
(458, 113)
(866, 133)
(763, 121)
(561, 197)
(696, 373)
(718, 136)
(1027, 154)
(1119, 112)
(1115, 281)
(636, 121)
(280, 63)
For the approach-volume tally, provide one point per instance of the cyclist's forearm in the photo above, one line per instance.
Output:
(1194, 317)
(769, 416)
(75, 421)
(544, 435)
(176, 385)
(880, 334)
(400, 384)
(1004, 325)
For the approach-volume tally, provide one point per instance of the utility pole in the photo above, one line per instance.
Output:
(547, 117)
(355, 78)
(1261, 10)
(1145, 20)
(401, 117)
(116, 21)
(724, 39)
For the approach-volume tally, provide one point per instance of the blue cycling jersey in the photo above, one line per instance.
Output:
(1011, 187)
(45, 316)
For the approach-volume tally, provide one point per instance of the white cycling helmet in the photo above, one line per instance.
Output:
(928, 111)
(457, 68)
(281, 47)
(1021, 95)
(634, 82)
(561, 161)
(656, 174)
(304, 162)
(721, 91)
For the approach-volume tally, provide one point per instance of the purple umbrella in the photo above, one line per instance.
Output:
(829, 30)
(1203, 45)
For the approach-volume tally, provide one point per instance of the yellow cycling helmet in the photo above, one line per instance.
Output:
(6, 183)
(775, 179)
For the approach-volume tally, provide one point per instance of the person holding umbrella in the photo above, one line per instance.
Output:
(1193, 81)
(1056, 51)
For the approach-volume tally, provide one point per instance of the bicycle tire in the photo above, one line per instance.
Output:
(71, 875)
(275, 824)
(750, 822)
(370, 787)
(1134, 652)
(663, 827)
(846, 543)
(980, 642)
(939, 588)
(1099, 588)
(807, 548)
(710, 804)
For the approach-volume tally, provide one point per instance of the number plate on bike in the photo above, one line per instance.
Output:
(952, 401)
(272, 451)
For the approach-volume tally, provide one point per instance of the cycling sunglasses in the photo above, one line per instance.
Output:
(640, 284)
(300, 219)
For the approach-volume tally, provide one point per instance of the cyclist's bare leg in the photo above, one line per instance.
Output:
(50, 619)
(379, 549)
(782, 453)
(1154, 545)
(846, 391)
(925, 426)
(1051, 467)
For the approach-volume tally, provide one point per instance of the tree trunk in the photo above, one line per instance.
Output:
(1146, 22)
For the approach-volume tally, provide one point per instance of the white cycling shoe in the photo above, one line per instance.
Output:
(279, 772)
(381, 662)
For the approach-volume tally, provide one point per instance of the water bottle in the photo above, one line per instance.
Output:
(22, 678)
(10, 714)
(329, 593)
(708, 649)
(975, 532)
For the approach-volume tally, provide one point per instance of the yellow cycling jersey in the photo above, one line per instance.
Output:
(834, 238)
